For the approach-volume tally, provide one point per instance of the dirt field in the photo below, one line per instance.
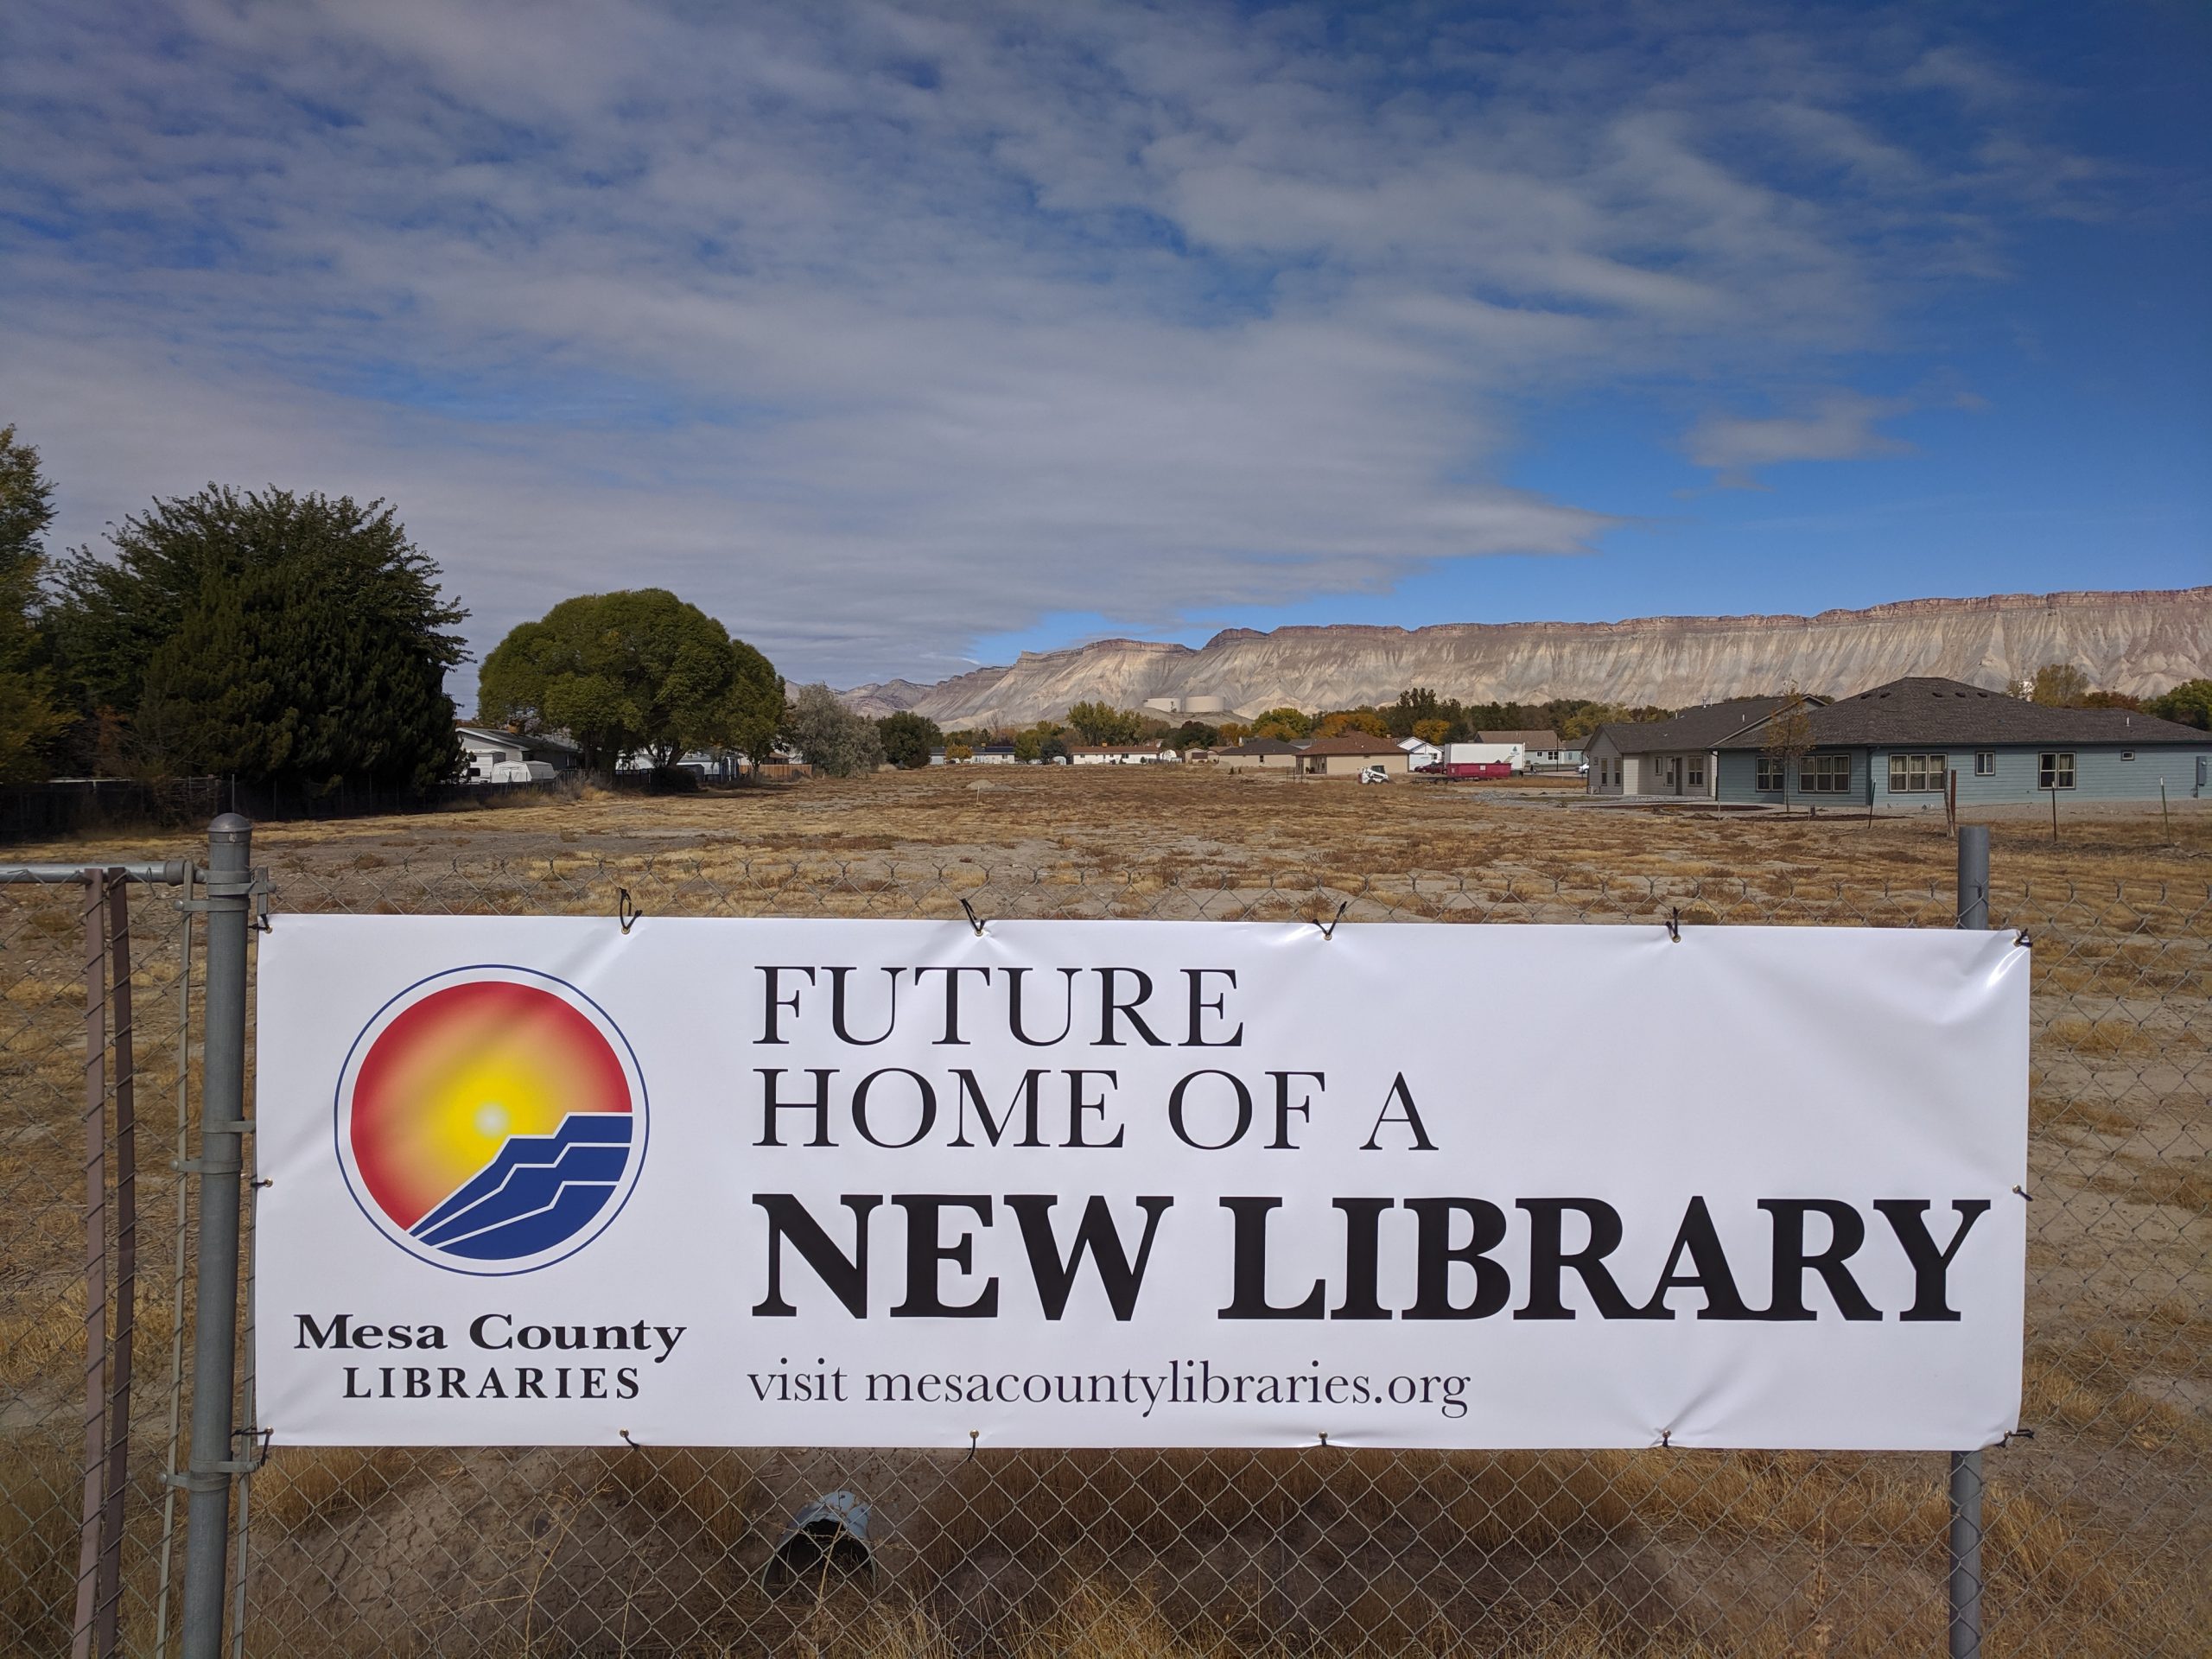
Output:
(2099, 1526)
(1192, 823)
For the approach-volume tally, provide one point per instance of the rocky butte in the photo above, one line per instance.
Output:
(2140, 643)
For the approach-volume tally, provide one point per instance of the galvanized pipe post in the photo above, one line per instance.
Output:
(214, 1337)
(1965, 1542)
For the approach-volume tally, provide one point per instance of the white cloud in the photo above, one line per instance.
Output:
(878, 330)
(1839, 426)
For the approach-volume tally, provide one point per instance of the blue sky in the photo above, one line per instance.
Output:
(902, 337)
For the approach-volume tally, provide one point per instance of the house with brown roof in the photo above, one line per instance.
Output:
(1898, 746)
(1262, 754)
(1348, 755)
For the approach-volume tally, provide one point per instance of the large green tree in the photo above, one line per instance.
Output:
(1102, 722)
(29, 721)
(908, 738)
(2190, 702)
(299, 641)
(637, 671)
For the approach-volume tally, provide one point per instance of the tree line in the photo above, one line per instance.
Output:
(300, 642)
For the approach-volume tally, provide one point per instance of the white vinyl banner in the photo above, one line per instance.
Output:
(537, 1181)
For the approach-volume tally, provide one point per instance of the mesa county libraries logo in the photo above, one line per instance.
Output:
(491, 1120)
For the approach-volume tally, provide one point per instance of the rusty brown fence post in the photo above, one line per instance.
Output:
(111, 1277)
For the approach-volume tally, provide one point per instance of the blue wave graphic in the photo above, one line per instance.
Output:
(539, 1190)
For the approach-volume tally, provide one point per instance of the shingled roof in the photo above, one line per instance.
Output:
(1951, 713)
(1704, 727)
(1350, 743)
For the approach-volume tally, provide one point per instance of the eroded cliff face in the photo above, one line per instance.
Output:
(2139, 643)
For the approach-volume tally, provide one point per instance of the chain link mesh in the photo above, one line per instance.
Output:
(2098, 1527)
(44, 1045)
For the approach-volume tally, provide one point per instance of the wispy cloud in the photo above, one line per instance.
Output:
(879, 330)
(1840, 426)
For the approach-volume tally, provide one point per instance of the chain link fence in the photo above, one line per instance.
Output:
(2098, 1524)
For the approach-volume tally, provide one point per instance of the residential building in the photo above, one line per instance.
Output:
(1348, 755)
(1119, 754)
(1670, 758)
(1420, 754)
(485, 747)
(1897, 747)
(1262, 754)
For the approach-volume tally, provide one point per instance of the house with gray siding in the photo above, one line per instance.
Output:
(1670, 759)
(1895, 748)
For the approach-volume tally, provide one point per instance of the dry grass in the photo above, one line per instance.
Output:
(2098, 1528)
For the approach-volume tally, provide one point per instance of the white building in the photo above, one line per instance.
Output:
(484, 747)
(1120, 754)
(1420, 753)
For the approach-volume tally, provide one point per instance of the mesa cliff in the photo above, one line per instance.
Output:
(2140, 643)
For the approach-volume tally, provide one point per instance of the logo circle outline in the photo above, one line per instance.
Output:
(480, 972)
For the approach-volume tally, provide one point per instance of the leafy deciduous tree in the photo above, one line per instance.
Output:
(907, 738)
(1101, 723)
(2059, 685)
(633, 672)
(1288, 724)
(833, 739)
(2190, 702)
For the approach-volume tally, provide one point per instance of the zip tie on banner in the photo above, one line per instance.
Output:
(625, 912)
(973, 920)
(1329, 928)
(2012, 1434)
(2024, 1193)
(1674, 925)
(2022, 939)
(973, 1434)
(627, 1442)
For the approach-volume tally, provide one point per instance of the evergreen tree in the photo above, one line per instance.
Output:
(297, 641)
(29, 721)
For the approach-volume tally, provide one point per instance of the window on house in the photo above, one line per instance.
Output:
(2055, 772)
(1984, 763)
(1697, 773)
(1917, 774)
(1824, 774)
(2128, 754)
(1769, 772)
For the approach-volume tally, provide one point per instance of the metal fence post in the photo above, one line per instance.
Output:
(214, 1337)
(1965, 1542)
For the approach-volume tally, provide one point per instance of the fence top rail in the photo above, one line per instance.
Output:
(173, 873)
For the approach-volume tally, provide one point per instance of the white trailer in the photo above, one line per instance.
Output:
(1513, 756)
